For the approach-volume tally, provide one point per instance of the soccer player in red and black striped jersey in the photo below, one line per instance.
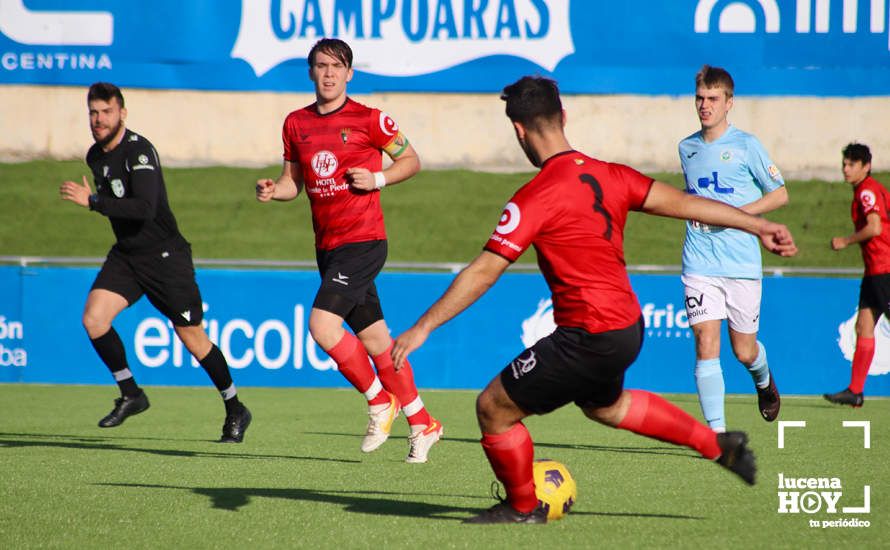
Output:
(332, 149)
(573, 213)
(872, 224)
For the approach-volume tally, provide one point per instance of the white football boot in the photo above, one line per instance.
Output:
(420, 442)
(380, 422)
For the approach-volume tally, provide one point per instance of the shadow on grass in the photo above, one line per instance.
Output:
(13, 440)
(668, 450)
(362, 502)
(385, 503)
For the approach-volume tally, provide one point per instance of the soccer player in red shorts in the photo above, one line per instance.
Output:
(332, 148)
(573, 213)
(869, 211)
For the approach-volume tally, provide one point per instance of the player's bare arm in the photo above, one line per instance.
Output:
(76, 193)
(405, 164)
(471, 283)
(775, 199)
(287, 187)
(665, 200)
(872, 229)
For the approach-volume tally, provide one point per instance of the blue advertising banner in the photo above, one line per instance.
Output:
(260, 321)
(806, 47)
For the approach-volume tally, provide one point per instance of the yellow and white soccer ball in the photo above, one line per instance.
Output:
(555, 487)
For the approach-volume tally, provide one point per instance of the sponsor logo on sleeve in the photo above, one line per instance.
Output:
(387, 125)
(143, 163)
(774, 171)
(509, 219)
(867, 197)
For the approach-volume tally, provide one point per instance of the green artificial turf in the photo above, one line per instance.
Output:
(300, 481)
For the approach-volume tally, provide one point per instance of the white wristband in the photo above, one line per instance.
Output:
(379, 180)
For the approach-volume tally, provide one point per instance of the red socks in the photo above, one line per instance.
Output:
(653, 416)
(865, 352)
(401, 384)
(511, 455)
(352, 361)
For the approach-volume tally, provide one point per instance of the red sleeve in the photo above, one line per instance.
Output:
(636, 184)
(520, 223)
(289, 129)
(383, 129)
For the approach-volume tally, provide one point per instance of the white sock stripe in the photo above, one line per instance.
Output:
(374, 390)
(413, 407)
(229, 392)
(122, 374)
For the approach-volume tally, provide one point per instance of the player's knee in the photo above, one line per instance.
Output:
(489, 412)
(324, 333)
(864, 330)
(609, 415)
(94, 324)
(195, 340)
(746, 356)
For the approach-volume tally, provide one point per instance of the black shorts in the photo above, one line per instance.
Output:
(166, 277)
(874, 293)
(572, 365)
(347, 282)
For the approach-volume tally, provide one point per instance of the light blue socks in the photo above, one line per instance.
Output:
(711, 391)
(759, 369)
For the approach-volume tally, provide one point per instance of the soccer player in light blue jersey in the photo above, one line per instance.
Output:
(721, 266)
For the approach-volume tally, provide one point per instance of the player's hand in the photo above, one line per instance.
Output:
(76, 193)
(838, 243)
(361, 178)
(777, 239)
(407, 342)
(265, 189)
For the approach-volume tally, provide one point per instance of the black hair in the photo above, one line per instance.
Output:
(104, 91)
(857, 152)
(533, 101)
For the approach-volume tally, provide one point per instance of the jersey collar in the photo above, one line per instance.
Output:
(557, 155)
(335, 111)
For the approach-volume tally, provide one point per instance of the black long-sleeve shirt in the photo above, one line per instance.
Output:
(131, 193)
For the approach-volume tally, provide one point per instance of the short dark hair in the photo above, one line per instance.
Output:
(533, 101)
(333, 47)
(715, 77)
(104, 91)
(857, 152)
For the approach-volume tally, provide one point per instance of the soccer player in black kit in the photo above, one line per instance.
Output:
(150, 257)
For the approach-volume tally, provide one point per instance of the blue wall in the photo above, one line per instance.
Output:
(772, 47)
(259, 318)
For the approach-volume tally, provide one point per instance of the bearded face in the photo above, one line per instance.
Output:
(106, 120)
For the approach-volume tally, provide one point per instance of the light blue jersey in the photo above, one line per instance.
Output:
(734, 169)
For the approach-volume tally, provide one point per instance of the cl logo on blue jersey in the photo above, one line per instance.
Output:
(704, 183)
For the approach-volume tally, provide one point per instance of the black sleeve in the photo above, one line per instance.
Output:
(143, 169)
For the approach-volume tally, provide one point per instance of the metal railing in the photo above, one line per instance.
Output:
(448, 267)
